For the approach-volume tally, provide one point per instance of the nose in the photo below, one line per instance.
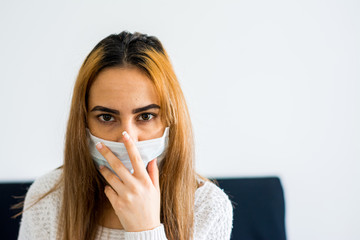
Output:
(131, 130)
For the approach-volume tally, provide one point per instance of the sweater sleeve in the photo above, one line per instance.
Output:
(154, 234)
(222, 225)
(213, 214)
(29, 229)
(39, 221)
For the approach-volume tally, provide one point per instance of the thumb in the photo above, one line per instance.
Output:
(153, 171)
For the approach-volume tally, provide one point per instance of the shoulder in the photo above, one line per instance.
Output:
(213, 213)
(213, 197)
(48, 180)
(40, 216)
(42, 185)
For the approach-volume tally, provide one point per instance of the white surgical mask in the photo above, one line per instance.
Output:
(148, 149)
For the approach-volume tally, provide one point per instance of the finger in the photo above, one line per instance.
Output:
(111, 195)
(135, 158)
(114, 162)
(112, 179)
(153, 171)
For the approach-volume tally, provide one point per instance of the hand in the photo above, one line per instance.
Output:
(136, 197)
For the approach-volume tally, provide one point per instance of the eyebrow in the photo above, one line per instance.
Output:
(134, 111)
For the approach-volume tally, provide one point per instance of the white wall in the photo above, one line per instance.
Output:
(272, 86)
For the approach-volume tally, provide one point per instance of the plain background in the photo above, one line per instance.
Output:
(272, 86)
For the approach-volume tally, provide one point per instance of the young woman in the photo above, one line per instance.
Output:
(128, 169)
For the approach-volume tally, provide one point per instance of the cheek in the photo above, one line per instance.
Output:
(92, 127)
(155, 131)
(92, 123)
(97, 130)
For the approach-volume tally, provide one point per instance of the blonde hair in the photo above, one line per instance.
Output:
(83, 185)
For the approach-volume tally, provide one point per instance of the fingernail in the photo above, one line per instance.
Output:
(99, 145)
(126, 135)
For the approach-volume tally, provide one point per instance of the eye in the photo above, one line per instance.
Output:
(106, 118)
(146, 116)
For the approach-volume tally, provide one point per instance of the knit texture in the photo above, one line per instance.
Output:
(213, 214)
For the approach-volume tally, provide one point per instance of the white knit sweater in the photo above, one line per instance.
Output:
(213, 215)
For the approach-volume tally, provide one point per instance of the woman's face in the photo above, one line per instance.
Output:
(124, 99)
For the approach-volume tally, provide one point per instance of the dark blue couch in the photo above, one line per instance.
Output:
(259, 208)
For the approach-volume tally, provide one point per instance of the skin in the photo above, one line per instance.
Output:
(135, 199)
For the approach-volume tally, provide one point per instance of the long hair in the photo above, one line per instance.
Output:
(83, 195)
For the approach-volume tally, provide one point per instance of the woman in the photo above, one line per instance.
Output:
(128, 169)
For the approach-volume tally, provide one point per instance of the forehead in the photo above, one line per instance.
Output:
(123, 89)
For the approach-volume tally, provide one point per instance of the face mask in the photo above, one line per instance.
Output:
(148, 149)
